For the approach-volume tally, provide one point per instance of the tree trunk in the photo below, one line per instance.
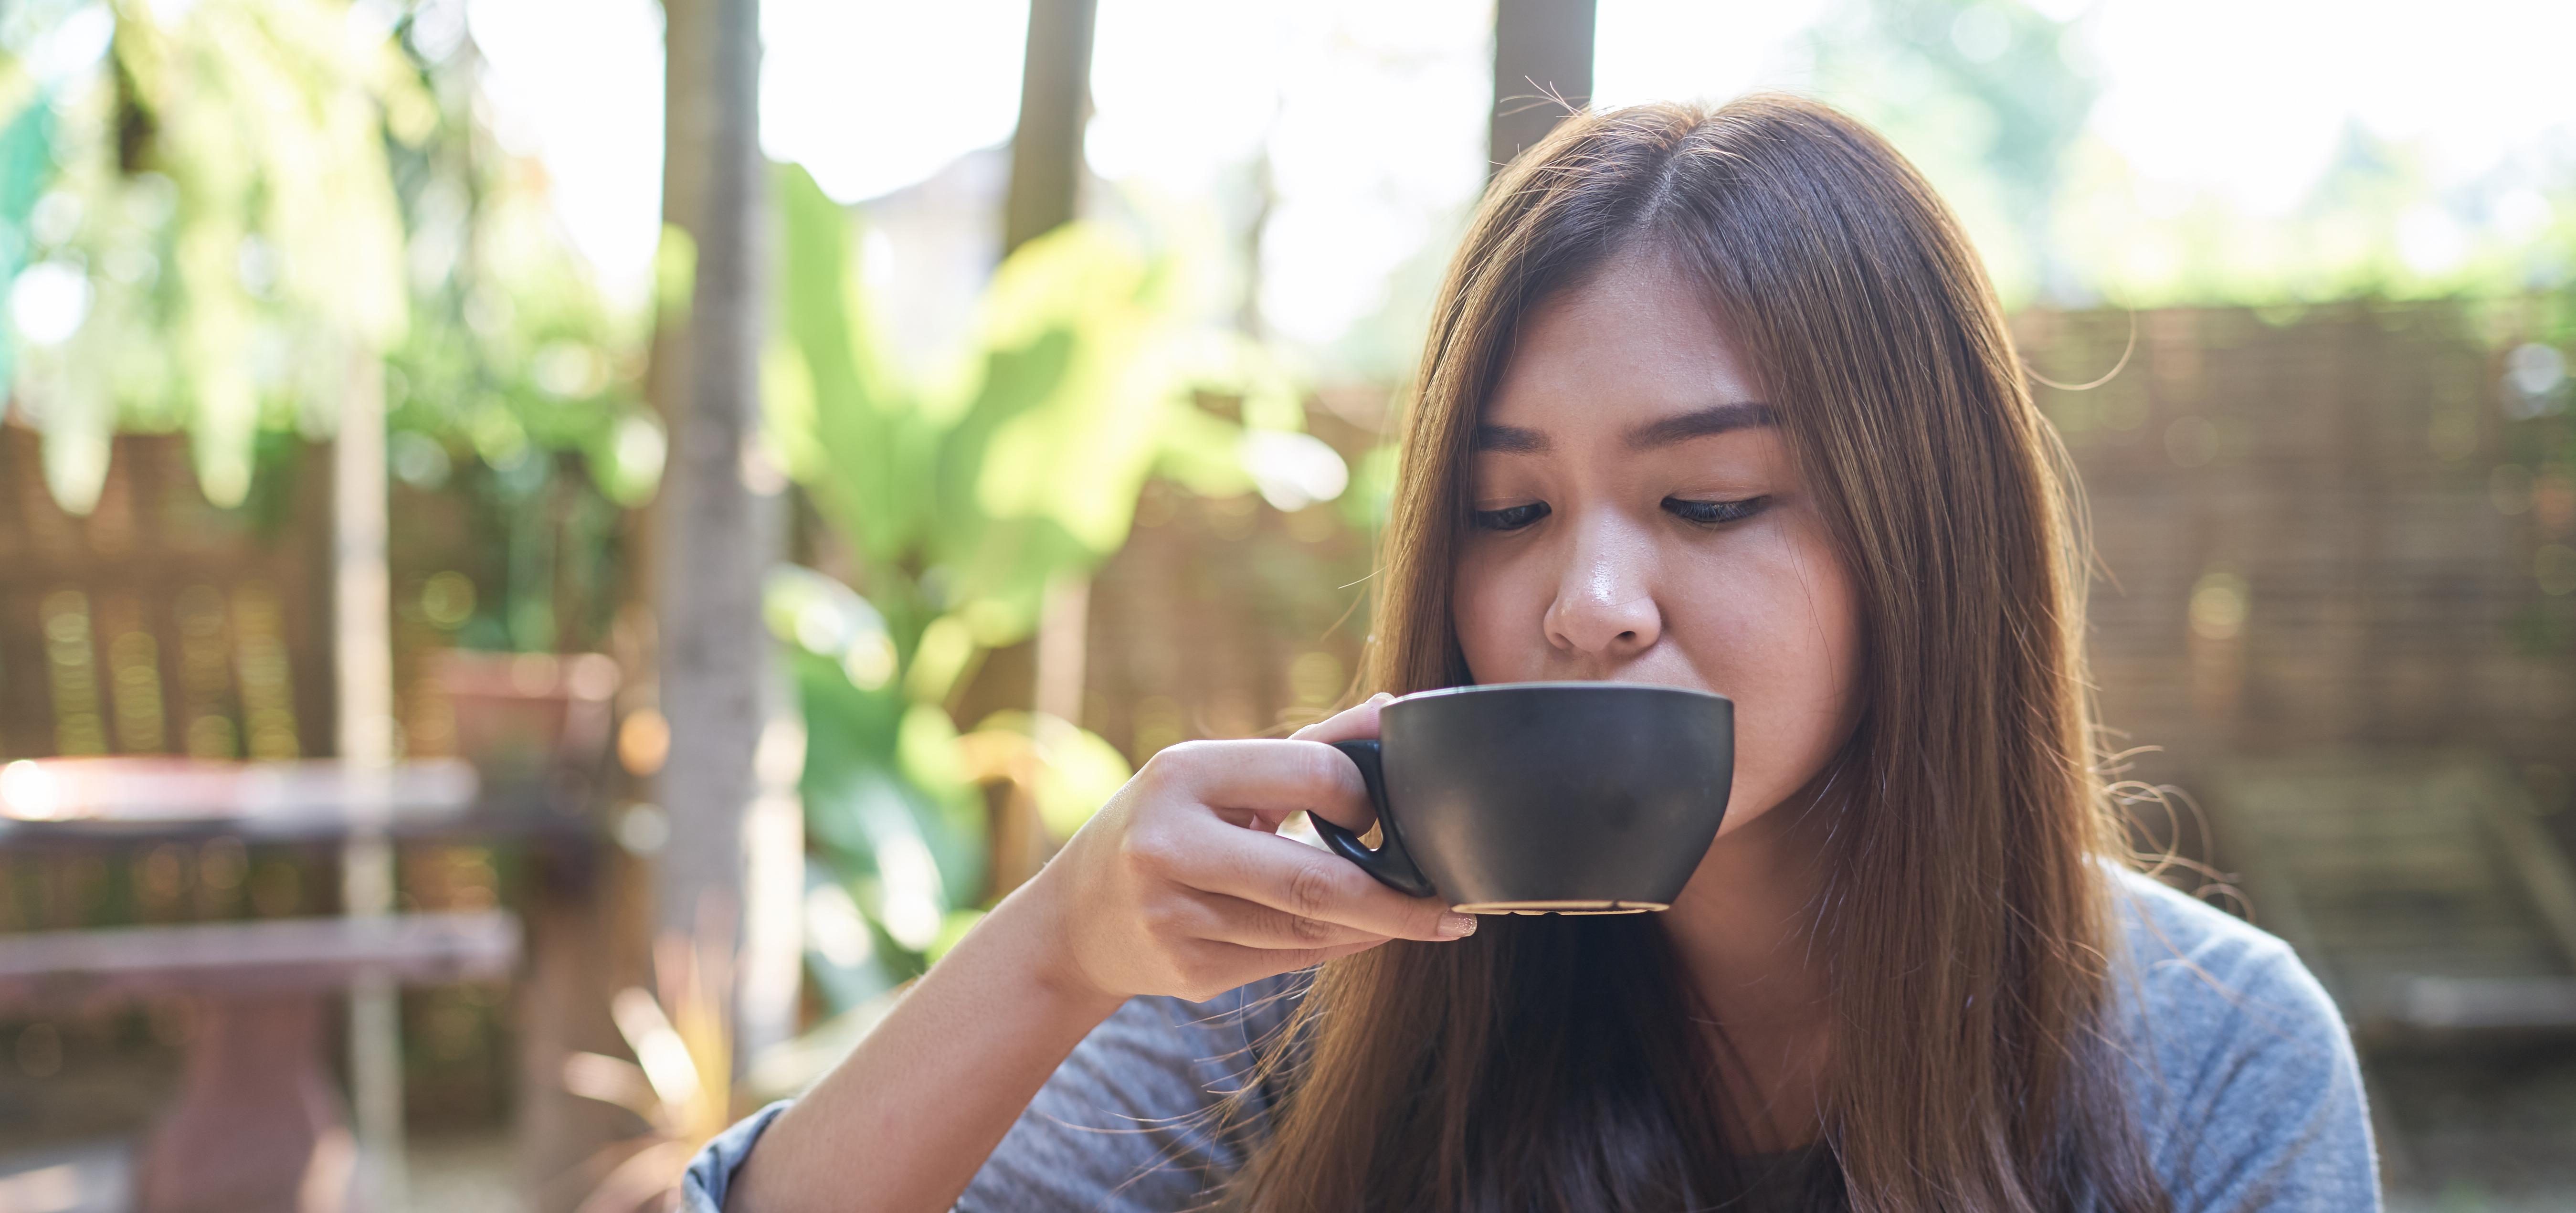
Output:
(1045, 671)
(589, 924)
(362, 669)
(720, 505)
(1542, 52)
(1055, 103)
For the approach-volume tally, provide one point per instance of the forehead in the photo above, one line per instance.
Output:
(1637, 341)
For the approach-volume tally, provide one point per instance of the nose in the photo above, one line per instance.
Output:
(1605, 601)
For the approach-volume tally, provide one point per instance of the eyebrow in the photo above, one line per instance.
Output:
(1698, 423)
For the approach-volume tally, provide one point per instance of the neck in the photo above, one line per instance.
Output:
(1744, 925)
(1744, 932)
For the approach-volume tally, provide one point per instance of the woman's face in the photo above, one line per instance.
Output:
(1637, 517)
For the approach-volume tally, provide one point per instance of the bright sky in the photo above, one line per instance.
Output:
(2255, 112)
(1373, 108)
(2244, 98)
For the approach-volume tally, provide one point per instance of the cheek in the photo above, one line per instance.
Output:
(1780, 635)
(1492, 605)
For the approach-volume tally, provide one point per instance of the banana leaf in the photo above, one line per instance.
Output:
(26, 164)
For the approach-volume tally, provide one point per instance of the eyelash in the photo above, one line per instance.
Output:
(1704, 513)
(1714, 513)
(1512, 518)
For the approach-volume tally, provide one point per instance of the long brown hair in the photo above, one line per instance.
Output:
(1965, 930)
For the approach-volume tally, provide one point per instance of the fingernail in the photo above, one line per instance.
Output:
(1381, 697)
(1457, 926)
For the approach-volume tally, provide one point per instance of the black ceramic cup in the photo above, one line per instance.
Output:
(1544, 797)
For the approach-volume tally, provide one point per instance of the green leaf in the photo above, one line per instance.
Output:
(859, 426)
(1364, 505)
(1202, 451)
(847, 729)
(1016, 380)
(926, 748)
(1078, 770)
(827, 619)
(939, 658)
(843, 954)
(26, 165)
(870, 822)
(1000, 584)
(1078, 455)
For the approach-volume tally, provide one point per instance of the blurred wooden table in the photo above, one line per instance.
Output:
(257, 1123)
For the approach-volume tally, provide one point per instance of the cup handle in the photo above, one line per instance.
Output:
(1388, 863)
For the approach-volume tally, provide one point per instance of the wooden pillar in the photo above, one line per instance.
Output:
(1055, 104)
(1542, 51)
(362, 667)
(719, 510)
(1045, 193)
(590, 918)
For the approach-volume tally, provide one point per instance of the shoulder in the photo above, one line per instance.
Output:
(1167, 1057)
(1144, 1114)
(2202, 987)
(2245, 1083)
(2199, 964)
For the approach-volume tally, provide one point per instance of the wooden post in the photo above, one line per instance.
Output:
(362, 665)
(720, 504)
(1542, 51)
(1045, 192)
(590, 922)
(1055, 104)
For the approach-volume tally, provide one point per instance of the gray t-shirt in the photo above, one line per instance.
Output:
(2247, 1090)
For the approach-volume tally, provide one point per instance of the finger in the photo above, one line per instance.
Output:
(1303, 881)
(1251, 924)
(1270, 962)
(1355, 723)
(1274, 778)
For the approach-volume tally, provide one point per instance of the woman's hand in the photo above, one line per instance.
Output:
(1179, 885)
(1182, 885)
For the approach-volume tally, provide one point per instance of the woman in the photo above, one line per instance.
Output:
(1717, 399)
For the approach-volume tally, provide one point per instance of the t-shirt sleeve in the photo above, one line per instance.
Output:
(2253, 1100)
(1138, 1118)
(710, 1174)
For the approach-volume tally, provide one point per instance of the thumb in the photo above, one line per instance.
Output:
(1355, 723)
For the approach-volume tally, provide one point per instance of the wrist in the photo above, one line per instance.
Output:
(1030, 934)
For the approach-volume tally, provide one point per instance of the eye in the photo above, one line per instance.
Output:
(1511, 518)
(1713, 513)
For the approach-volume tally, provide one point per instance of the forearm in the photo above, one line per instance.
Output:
(905, 1121)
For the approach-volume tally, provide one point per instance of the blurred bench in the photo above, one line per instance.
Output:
(2422, 890)
(150, 644)
(254, 957)
(257, 1122)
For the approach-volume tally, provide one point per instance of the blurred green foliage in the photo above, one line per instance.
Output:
(219, 233)
(249, 203)
(26, 154)
(518, 394)
(214, 214)
(963, 486)
(228, 210)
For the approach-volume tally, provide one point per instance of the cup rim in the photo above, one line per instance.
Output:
(1554, 685)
